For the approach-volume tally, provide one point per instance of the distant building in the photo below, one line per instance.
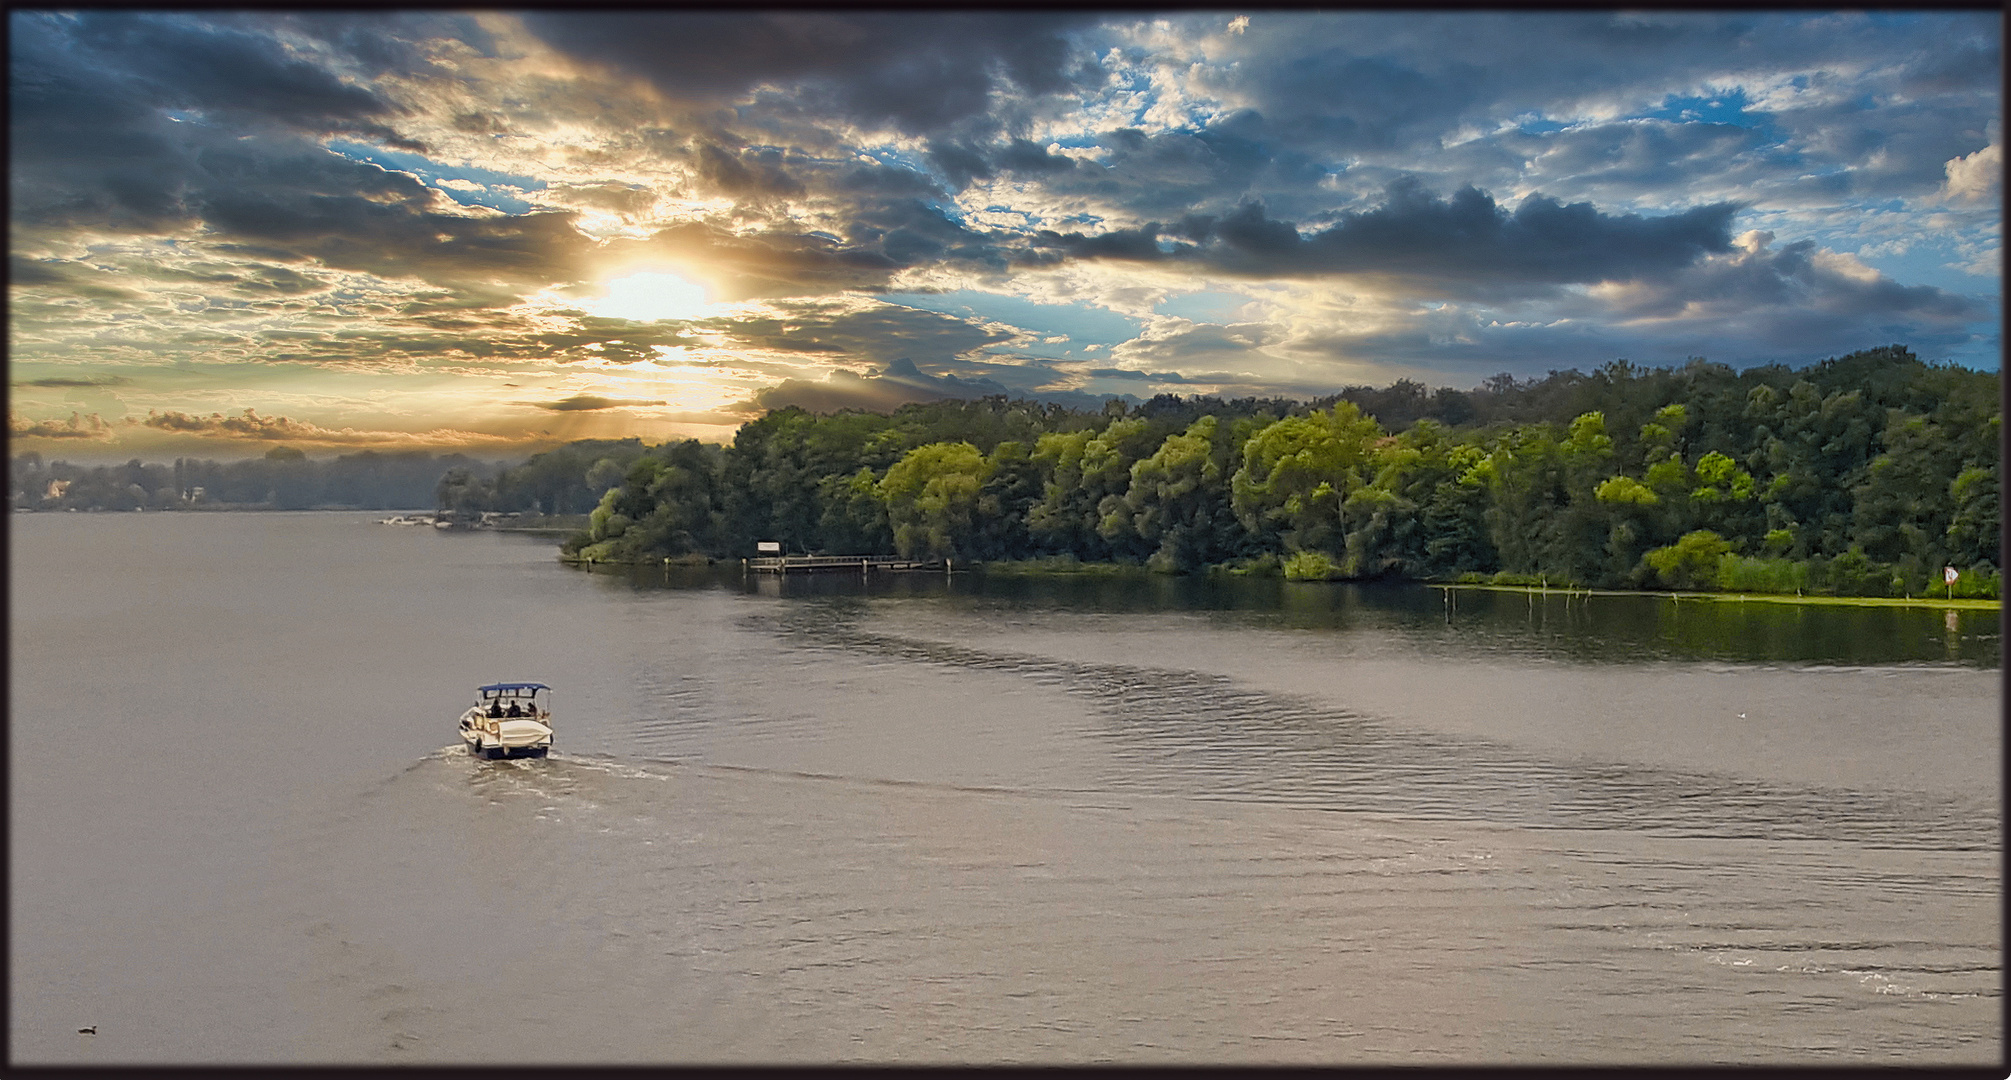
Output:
(57, 488)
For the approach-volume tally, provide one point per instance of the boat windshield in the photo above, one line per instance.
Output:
(514, 700)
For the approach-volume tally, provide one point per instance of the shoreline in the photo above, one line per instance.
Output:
(1110, 570)
(1960, 602)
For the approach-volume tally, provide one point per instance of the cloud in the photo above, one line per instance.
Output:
(917, 72)
(1977, 177)
(191, 189)
(1142, 376)
(900, 383)
(76, 382)
(868, 332)
(897, 384)
(85, 427)
(1758, 303)
(881, 238)
(1442, 244)
(71, 279)
(1179, 342)
(253, 427)
(592, 403)
(96, 146)
(185, 64)
(1797, 282)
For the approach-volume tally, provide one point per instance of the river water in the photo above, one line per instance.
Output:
(971, 819)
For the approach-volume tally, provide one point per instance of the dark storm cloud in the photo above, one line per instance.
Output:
(358, 216)
(1416, 235)
(178, 63)
(918, 72)
(1140, 376)
(899, 383)
(878, 335)
(94, 149)
(65, 277)
(1640, 156)
(1166, 173)
(961, 161)
(1368, 102)
(1794, 278)
(750, 172)
(593, 403)
(1756, 304)
(1402, 80)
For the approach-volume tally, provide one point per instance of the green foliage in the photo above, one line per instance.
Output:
(1626, 491)
(1178, 500)
(1742, 574)
(1862, 475)
(1973, 520)
(932, 496)
(1309, 566)
(1691, 562)
(1296, 473)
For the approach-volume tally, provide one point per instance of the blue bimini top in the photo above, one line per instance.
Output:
(493, 688)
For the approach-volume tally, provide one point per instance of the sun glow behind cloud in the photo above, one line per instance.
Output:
(649, 295)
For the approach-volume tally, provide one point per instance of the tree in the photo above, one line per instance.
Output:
(931, 496)
(1178, 502)
(1972, 536)
(1691, 562)
(1005, 500)
(461, 492)
(1296, 473)
(1082, 508)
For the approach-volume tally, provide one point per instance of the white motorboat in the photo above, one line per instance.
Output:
(509, 720)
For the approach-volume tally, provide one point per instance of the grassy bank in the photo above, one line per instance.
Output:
(674, 560)
(1069, 566)
(1960, 602)
(1060, 565)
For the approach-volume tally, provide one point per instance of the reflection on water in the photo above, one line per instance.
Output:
(1184, 732)
(1573, 626)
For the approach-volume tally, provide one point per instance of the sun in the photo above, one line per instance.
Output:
(648, 295)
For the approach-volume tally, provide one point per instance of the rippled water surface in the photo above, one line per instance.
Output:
(974, 819)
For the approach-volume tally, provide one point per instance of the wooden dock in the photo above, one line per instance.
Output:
(864, 564)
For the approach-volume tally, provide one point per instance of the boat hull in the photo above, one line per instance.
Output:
(489, 737)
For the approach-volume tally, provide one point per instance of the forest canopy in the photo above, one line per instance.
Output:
(1862, 475)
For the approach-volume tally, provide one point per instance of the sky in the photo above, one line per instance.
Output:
(492, 233)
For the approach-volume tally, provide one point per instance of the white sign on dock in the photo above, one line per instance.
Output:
(768, 547)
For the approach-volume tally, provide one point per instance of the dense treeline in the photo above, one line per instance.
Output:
(284, 479)
(1861, 475)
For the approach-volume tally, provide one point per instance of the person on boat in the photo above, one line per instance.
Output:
(496, 707)
(515, 710)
